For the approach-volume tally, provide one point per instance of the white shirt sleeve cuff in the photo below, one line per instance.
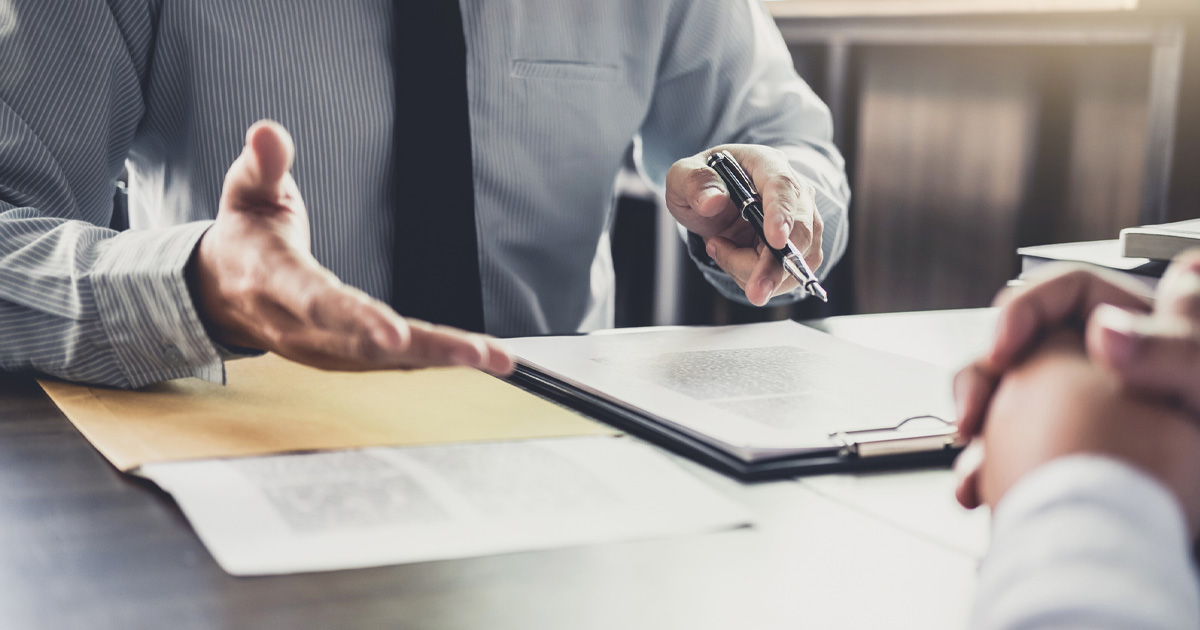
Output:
(1088, 541)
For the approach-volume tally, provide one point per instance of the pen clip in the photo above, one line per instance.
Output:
(742, 178)
(741, 188)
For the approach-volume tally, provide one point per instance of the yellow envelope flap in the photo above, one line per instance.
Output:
(272, 405)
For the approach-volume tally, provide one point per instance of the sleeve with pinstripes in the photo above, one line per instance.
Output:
(77, 300)
(726, 77)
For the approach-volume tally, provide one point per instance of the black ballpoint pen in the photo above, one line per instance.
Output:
(750, 204)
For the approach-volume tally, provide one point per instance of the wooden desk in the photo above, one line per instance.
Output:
(82, 546)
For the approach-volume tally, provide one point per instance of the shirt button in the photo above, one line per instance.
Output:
(172, 355)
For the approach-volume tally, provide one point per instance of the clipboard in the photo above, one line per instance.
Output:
(900, 446)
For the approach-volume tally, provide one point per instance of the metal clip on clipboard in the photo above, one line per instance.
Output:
(897, 440)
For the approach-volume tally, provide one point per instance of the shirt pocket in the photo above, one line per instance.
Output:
(563, 40)
(565, 70)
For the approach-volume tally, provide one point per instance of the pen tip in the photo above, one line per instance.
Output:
(818, 291)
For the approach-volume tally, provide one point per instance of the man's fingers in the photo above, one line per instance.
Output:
(433, 345)
(1150, 355)
(785, 208)
(1157, 354)
(815, 255)
(974, 386)
(754, 269)
(273, 149)
(499, 360)
(738, 262)
(348, 329)
(1058, 299)
(332, 350)
(766, 279)
(967, 469)
(260, 174)
(1179, 291)
(788, 206)
(359, 349)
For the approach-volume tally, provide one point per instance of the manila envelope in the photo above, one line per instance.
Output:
(272, 405)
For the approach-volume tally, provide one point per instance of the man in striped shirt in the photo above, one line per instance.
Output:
(291, 249)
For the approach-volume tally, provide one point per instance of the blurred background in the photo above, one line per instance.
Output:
(970, 128)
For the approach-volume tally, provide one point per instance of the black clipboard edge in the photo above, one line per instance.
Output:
(680, 443)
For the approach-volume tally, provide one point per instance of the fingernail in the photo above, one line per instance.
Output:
(1118, 327)
(711, 248)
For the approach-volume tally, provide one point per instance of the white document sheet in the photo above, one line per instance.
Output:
(380, 506)
(918, 501)
(759, 390)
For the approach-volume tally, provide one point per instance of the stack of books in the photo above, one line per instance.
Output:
(1161, 242)
(1105, 254)
(1142, 253)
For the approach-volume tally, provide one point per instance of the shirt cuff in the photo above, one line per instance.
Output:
(146, 309)
(1088, 541)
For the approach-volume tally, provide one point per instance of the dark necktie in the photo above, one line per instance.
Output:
(435, 271)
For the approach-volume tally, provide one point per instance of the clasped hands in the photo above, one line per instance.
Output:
(1083, 362)
(255, 283)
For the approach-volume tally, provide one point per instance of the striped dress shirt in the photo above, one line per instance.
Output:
(559, 91)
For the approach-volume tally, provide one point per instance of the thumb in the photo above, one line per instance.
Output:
(260, 174)
(691, 184)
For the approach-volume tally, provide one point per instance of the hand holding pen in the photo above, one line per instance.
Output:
(771, 248)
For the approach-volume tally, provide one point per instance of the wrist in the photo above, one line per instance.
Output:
(204, 288)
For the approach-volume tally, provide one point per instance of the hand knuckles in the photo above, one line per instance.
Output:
(698, 179)
(787, 184)
(677, 170)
